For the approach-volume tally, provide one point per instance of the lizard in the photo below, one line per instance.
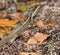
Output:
(14, 34)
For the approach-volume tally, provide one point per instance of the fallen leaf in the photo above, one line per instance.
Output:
(22, 7)
(6, 31)
(33, 3)
(17, 16)
(6, 27)
(50, 25)
(31, 41)
(38, 38)
(2, 36)
(3, 15)
(39, 24)
(26, 53)
(8, 23)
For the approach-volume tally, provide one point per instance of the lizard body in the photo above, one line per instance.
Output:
(14, 34)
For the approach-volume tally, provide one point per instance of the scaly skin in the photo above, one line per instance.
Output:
(14, 34)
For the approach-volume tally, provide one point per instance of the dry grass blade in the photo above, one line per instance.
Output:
(26, 53)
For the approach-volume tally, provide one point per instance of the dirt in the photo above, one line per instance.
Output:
(48, 14)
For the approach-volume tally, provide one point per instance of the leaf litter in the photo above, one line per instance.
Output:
(29, 27)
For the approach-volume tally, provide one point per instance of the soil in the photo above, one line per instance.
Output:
(49, 13)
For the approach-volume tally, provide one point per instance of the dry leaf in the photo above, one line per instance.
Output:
(17, 16)
(3, 15)
(22, 7)
(31, 41)
(39, 24)
(2, 35)
(38, 38)
(33, 3)
(26, 53)
(8, 23)
(50, 25)
(6, 31)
